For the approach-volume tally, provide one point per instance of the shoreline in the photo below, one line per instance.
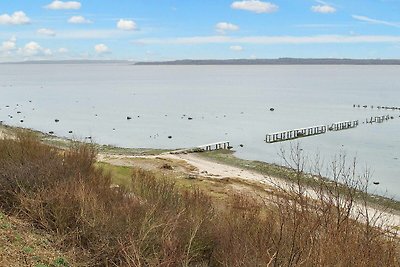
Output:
(216, 164)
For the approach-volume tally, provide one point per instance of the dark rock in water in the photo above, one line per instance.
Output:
(241, 145)
(169, 136)
(51, 132)
(88, 137)
(21, 121)
(271, 109)
(230, 147)
(128, 118)
(70, 132)
(375, 183)
(391, 117)
(56, 120)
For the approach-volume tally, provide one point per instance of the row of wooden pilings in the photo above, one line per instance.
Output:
(309, 131)
(293, 134)
(215, 146)
(207, 147)
(378, 119)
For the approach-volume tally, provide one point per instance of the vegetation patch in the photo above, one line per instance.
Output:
(152, 221)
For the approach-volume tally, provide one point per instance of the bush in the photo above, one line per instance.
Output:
(154, 223)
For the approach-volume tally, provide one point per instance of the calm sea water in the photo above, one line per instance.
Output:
(226, 103)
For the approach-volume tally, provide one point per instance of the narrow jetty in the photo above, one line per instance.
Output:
(378, 119)
(215, 146)
(293, 134)
(343, 125)
(207, 147)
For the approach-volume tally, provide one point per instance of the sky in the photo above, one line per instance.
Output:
(153, 30)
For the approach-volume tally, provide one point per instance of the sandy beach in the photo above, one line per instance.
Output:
(213, 170)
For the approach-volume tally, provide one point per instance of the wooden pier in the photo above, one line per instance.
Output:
(309, 131)
(207, 147)
(215, 146)
(378, 119)
(297, 133)
(343, 125)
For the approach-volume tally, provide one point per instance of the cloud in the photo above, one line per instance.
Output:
(236, 48)
(47, 32)
(79, 20)
(58, 5)
(9, 45)
(17, 18)
(63, 50)
(223, 27)
(324, 9)
(126, 25)
(101, 49)
(272, 40)
(375, 21)
(91, 34)
(255, 6)
(34, 49)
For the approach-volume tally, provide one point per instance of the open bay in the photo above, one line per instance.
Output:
(225, 103)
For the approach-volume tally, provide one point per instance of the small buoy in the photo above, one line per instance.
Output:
(56, 120)
(169, 136)
(365, 106)
(128, 118)
(18, 112)
(113, 129)
(271, 109)
(241, 145)
(190, 118)
(375, 183)
(70, 132)
(21, 121)
(51, 132)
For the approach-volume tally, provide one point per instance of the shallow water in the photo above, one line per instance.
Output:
(226, 103)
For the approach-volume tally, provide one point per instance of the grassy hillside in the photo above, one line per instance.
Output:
(151, 221)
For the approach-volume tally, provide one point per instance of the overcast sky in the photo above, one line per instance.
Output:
(198, 29)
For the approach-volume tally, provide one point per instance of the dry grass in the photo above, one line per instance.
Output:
(155, 223)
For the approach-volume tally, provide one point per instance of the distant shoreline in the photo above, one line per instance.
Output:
(278, 61)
